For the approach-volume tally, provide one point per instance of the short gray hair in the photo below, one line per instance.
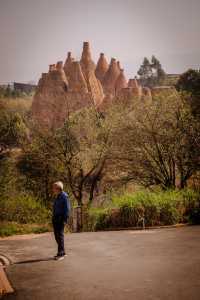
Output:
(59, 184)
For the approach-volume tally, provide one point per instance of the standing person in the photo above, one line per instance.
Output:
(61, 212)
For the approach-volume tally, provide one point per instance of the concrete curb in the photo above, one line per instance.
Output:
(146, 227)
(5, 260)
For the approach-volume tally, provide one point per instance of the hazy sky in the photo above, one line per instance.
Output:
(35, 33)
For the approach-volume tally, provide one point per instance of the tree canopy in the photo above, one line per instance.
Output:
(151, 72)
(190, 82)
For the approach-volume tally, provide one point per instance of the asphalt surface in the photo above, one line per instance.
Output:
(142, 265)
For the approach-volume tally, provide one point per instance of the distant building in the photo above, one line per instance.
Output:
(173, 76)
(171, 79)
(24, 87)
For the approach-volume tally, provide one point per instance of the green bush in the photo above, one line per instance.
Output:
(194, 217)
(192, 206)
(155, 208)
(23, 209)
(98, 219)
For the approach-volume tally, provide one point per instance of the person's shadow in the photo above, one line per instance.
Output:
(30, 261)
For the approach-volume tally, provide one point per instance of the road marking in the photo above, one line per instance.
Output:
(5, 286)
(141, 231)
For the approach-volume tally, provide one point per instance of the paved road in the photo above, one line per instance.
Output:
(142, 265)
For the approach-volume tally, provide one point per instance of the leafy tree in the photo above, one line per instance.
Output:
(145, 72)
(83, 159)
(158, 144)
(151, 73)
(37, 165)
(12, 129)
(75, 153)
(158, 72)
(190, 82)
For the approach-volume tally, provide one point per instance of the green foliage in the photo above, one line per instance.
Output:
(98, 219)
(190, 82)
(149, 144)
(156, 208)
(23, 209)
(7, 176)
(145, 70)
(191, 200)
(9, 93)
(12, 129)
(158, 143)
(12, 228)
(38, 167)
(151, 73)
(74, 153)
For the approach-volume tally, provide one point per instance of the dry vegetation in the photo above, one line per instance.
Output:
(150, 145)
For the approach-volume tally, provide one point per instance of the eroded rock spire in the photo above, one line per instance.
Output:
(111, 76)
(133, 83)
(86, 61)
(121, 81)
(102, 67)
(68, 64)
(77, 82)
(88, 67)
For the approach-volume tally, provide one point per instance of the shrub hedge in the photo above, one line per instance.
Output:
(152, 208)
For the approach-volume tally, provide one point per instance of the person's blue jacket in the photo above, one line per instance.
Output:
(61, 207)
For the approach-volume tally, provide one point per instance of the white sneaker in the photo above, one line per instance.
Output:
(58, 257)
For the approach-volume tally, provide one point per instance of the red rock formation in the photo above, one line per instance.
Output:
(48, 107)
(77, 82)
(119, 65)
(136, 89)
(111, 77)
(59, 65)
(56, 73)
(146, 92)
(102, 67)
(43, 80)
(133, 83)
(52, 67)
(127, 95)
(88, 68)
(86, 61)
(68, 64)
(121, 82)
(64, 90)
